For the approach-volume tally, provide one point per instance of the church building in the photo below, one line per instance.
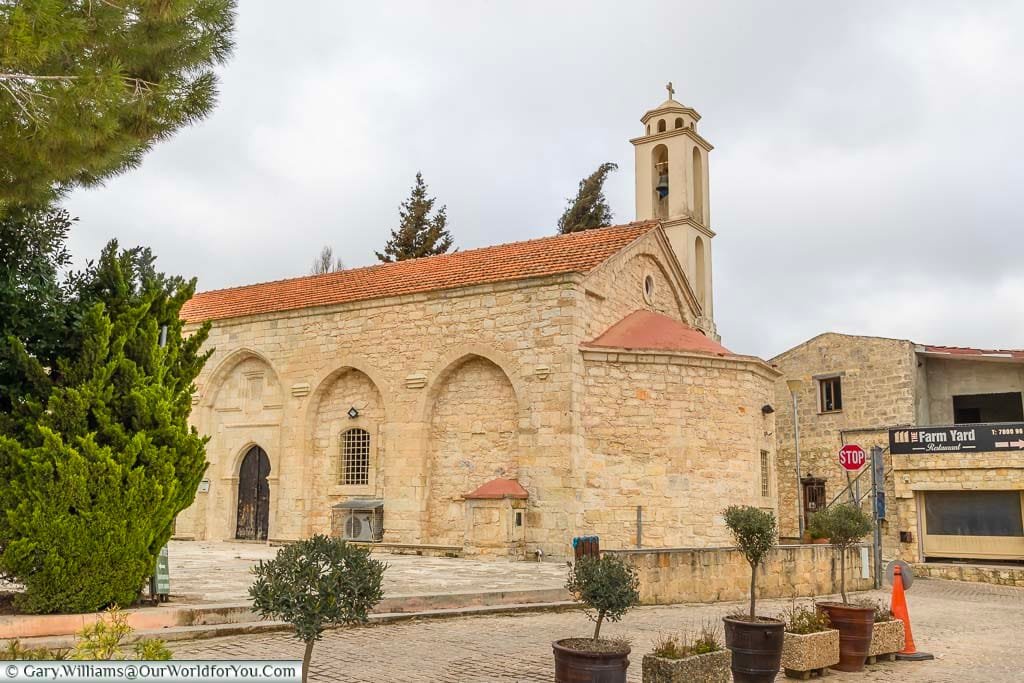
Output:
(496, 401)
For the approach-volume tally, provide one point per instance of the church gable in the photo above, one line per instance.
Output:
(643, 276)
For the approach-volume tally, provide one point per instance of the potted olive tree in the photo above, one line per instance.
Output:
(607, 588)
(846, 525)
(756, 642)
(317, 582)
(811, 644)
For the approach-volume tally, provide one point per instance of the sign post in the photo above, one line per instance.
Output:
(878, 507)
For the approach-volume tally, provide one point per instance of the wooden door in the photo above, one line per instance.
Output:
(253, 496)
(814, 497)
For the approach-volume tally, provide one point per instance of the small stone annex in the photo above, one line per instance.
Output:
(497, 401)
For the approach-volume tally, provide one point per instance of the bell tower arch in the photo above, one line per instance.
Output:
(672, 187)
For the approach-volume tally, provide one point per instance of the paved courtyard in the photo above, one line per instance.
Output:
(973, 630)
(220, 572)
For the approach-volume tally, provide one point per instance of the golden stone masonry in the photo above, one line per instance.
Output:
(497, 401)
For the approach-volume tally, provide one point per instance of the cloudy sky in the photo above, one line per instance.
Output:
(866, 178)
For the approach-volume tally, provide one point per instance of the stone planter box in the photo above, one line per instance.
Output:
(713, 667)
(887, 638)
(804, 654)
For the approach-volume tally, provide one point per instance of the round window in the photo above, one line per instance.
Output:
(648, 288)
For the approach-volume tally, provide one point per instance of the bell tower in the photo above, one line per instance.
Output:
(672, 186)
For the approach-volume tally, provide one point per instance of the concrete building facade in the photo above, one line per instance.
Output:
(955, 418)
(498, 401)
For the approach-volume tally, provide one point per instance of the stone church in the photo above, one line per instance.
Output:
(496, 401)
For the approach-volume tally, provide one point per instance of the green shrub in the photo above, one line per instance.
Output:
(100, 458)
(688, 643)
(755, 533)
(816, 528)
(607, 587)
(14, 651)
(806, 619)
(882, 610)
(104, 639)
(845, 525)
(317, 582)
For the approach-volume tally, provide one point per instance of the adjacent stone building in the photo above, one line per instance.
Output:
(498, 401)
(953, 415)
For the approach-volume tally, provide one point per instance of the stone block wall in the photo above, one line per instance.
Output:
(679, 435)
(284, 381)
(878, 378)
(674, 575)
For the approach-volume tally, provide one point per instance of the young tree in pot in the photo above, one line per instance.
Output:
(317, 582)
(846, 525)
(607, 587)
(756, 642)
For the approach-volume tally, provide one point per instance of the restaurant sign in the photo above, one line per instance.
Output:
(966, 438)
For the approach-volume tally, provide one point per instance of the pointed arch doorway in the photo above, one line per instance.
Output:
(253, 496)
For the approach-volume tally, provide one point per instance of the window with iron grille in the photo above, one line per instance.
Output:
(765, 474)
(355, 457)
(831, 394)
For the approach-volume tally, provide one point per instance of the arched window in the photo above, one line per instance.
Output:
(699, 268)
(661, 125)
(698, 186)
(679, 122)
(659, 174)
(355, 457)
(648, 129)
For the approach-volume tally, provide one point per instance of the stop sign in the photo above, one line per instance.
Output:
(852, 457)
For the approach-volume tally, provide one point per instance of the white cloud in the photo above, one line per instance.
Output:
(865, 175)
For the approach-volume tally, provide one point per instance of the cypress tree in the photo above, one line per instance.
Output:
(97, 473)
(418, 233)
(33, 253)
(589, 209)
(87, 87)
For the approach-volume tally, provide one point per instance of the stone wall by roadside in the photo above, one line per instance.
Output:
(673, 575)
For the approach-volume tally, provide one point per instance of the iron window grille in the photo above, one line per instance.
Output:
(355, 457)
(765, 474)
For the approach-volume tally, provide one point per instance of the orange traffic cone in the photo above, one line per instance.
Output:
(899, 610)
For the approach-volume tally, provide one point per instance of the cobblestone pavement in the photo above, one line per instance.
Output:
(974, 631)
(220, 571)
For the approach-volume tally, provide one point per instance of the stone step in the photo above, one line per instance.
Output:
(206, 631)
(171, 615)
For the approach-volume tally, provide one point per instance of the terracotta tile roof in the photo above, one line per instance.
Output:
(573, 253)
(966, 352)
(499, 488)
(650, 331)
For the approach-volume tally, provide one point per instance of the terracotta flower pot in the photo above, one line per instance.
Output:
(855, 625)
(581, 666)
(712, 667)
(756, 648)
(821, 541)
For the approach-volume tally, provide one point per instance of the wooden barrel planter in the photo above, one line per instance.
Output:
(582, 666)
(756, 648)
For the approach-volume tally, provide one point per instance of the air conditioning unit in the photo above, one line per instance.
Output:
(359, 526)
(360, 519)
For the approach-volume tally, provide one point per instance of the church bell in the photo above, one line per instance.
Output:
(662, 186)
